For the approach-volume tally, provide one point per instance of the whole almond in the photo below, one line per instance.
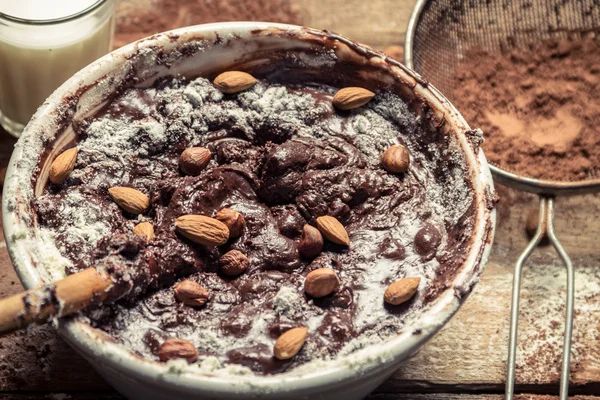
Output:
(333, 230)
(173, 348)
(193, 160)
(290, 343)
(233, 219)
(233, 263)
(144, 230)
(62, 166)
(321, 282)
(311, 242)
(401, 291)
(395, 159)
(191, 293)
(352, 97)
(234, 81)
(202, 229)
(131, 200)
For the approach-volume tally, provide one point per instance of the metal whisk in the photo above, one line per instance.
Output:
(440, 33)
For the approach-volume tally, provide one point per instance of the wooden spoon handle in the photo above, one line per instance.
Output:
(61, 298)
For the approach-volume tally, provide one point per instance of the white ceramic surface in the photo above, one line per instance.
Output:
(204, 50)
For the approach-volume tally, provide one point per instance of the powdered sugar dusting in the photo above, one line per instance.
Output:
(542, 315)
(289, 302)
(87, 227)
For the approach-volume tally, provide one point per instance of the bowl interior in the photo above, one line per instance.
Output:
(265, 50)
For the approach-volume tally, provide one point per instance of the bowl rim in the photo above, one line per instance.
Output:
(371, 360)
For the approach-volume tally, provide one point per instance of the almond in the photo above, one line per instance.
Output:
(233, 263)
(311, 242)
(173, 348)
(193, 160)
(290, 343)
(191, 293)
(234, 81)
(395, 159)
(202, 229)
(144, 230)
(401, 291)
(233, 219)
(333, 230)
(352, 97)
(62, 166)
(131, 200)
(321, 282)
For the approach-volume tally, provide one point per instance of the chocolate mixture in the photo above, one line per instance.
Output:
(539, 107)
(282, 155)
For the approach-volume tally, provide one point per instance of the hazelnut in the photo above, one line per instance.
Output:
(191, 293)
(311, 242)
(233, 219)
(193, 160)
(395, 159)
(321, 282)
(144, 230)
(233, 263)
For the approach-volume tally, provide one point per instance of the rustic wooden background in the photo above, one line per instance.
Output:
(466, 360)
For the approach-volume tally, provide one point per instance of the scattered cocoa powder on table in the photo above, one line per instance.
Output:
(136, 19)
(539, 107)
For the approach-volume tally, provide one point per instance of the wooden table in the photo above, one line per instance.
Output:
(466, 360)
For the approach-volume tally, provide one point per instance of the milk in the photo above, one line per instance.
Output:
(39, 54)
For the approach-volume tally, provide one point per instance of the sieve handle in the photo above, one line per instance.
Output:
(545, 228)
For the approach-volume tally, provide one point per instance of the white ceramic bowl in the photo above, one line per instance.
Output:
(204, 50)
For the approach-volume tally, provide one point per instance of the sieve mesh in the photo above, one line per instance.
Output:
(441, 32)
(447, 29)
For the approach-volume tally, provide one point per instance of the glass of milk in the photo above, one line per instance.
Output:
(42, 44)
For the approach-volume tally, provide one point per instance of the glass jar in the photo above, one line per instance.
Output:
(42, 44)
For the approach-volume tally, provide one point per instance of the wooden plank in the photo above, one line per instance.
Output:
(60, 396)
(40, 360)
(463, 396)
(387, 19)
(379, 23)
(380, 396)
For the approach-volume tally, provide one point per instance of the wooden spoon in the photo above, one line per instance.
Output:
(64, 297)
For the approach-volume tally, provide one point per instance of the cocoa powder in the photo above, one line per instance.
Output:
(538, 107)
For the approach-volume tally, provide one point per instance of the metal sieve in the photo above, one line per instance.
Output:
(440, 32)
